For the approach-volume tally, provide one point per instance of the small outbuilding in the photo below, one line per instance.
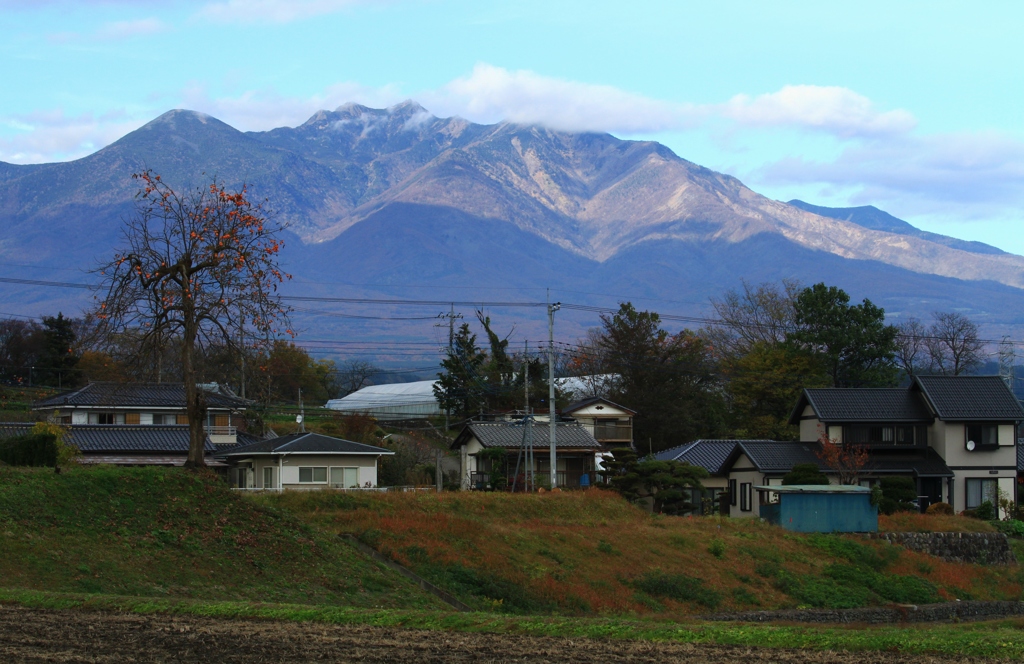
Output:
(828, 508)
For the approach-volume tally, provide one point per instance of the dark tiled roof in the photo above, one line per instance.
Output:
(869, 404)
(303, 442)
(510, 435)
(776, 457)
(970, 397)
(710, 454)
(95, 438)
(135, 395)
(583, 403)
(923, 463)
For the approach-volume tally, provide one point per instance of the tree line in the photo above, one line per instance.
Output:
(738, 378)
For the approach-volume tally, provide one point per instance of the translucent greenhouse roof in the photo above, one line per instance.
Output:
(417, 393)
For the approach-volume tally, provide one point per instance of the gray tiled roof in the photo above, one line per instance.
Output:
(304, 442)
(970, 397)
(868, 404)
(510, 435)
(777, 457)
(923, 463)
(134, 395)
(709, 454)
(95, 438)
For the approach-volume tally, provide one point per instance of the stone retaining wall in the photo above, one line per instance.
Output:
(946, 612)
(984, 548)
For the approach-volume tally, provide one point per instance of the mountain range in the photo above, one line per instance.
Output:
(398, 201)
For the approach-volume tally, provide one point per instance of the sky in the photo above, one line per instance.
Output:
(914, 107)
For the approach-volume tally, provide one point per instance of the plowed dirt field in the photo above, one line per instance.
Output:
(30, 635)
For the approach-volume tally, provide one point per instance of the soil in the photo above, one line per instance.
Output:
(31, 635)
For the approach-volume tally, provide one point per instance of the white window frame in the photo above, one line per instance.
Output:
(312, 473)
(343, 469)
(746, 496)
(994, 499)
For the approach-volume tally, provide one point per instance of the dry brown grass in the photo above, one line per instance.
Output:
(914, 522)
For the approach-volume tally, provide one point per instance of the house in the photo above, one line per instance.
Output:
(956, 435)
(761, 463)
(713, 456)
(303, 461)
(126, 445)
(146, 404)
(609, 423)
(578, 453)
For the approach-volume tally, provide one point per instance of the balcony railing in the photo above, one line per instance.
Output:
(221, 431)
(623, 432)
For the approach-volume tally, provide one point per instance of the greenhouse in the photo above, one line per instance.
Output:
(398, 401)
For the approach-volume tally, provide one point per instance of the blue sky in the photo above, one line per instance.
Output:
(912, 106)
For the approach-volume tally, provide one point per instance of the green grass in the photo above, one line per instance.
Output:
(157, 532)
(996, 639)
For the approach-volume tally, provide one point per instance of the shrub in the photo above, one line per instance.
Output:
(717, 548)
(897, 495)
(1013, 528)
(29, 450)
(986, 511)
(805, 473)
(940, 508)
(679, 587)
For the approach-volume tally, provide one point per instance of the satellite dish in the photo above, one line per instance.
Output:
(298, 420)
(970, 446)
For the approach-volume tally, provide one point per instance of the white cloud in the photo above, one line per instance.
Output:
(126, 29)
(979, 174)
(272, 11)
(115, 31)
(833, 109)
(491, 94)
(44, 136)
(260, 110)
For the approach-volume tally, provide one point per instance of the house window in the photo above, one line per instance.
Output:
(980, 490)
(179, 419)
(106, 418)
(268, 477)
(732, 492)
(746, 496)
(879, 434)
(221, 420)
(313, 475)
(131, 418)
(984, 436)
(344, 477)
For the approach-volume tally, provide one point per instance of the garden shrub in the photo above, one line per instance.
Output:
(30, 450)
(986, 511)
(897, 495)
(717, 548)
(940, 508)
(1012, 528)
(679, 587)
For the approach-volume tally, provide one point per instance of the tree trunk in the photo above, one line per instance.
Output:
(195, 404)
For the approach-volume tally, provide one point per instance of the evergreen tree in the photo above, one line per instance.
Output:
(461, 389)
(58, 359)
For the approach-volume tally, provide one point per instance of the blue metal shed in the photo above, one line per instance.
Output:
(826, 508)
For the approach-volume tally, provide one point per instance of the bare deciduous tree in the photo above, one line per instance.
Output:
(912, 353)
(353, 375)
(953, 344)
(199, 265)
(756, 314)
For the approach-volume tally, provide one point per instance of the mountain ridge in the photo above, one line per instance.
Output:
(359, 188)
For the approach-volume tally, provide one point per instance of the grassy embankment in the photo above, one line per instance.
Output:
(152, 532)
(593, 553)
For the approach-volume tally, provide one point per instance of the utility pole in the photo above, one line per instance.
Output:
(302, 414)
(1007, 360)
(451, 316)
(241, 352)
(552, 308)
